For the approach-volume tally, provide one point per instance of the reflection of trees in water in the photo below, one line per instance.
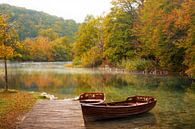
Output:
(175, 106)
(182, 117)
(40, 80)
(146, 120)
(112, 84)
(1, 82)
(174, 84)
(190, 93)
(48, 82)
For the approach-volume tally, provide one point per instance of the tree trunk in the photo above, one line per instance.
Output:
(6, 78)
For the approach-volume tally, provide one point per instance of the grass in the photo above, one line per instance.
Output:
(13, 104)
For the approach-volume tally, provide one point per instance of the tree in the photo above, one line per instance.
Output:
(164, 32)
(38, 49)
(61, 49)
(186, 22)
(120, 41)
(89, 39)
(49, 33)
(8, 44)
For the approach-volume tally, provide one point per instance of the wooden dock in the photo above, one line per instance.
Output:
(53, 114)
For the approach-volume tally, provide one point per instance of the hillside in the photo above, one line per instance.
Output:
(30, 23)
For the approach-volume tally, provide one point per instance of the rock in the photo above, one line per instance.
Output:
(48, 96)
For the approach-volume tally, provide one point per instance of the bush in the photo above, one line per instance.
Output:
(136, 64)
(91, 59)
(76, 61)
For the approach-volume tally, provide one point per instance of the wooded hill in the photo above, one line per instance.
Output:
(43, 37)
(30, 23)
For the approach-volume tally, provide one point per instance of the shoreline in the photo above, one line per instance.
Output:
(143, 72)
(105, 68)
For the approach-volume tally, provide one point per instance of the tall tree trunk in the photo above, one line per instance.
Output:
(6, 78)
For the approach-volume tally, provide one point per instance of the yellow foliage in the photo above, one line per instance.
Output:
(6, 51)
(38, 48)
(191, 71)
(91, 58)
(6, 35)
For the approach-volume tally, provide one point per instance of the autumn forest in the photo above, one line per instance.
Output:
(136, 35)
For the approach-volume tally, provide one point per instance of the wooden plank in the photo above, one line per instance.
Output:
(53, 114)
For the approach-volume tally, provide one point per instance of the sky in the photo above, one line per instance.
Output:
(68, 9)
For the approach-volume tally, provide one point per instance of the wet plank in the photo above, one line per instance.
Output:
(53, 114)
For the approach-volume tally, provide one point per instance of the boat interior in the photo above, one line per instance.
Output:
(92, 97)
(130, 101)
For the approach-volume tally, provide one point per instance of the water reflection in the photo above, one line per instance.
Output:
(117, 85)
(176, 95)
(147, 120)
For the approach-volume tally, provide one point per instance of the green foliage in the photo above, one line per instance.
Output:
(88, 47)
(110, 37)
(49, 33)
(61, 49)
(120, 41)
(136, 64)
(91, 58)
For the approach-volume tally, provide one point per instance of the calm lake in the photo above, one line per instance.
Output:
(175, 95)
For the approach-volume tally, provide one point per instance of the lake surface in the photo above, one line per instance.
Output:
(175, 95)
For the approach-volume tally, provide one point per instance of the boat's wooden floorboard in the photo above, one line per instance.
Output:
(55, 114)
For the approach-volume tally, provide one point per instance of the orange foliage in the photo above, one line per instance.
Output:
(38, 48)
(7, 51)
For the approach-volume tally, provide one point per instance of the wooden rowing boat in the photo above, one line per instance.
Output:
(131, 106)
(92, 97)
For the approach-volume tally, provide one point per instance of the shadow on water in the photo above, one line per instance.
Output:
(146, 120)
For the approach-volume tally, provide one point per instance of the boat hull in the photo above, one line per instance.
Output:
(99, 112)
